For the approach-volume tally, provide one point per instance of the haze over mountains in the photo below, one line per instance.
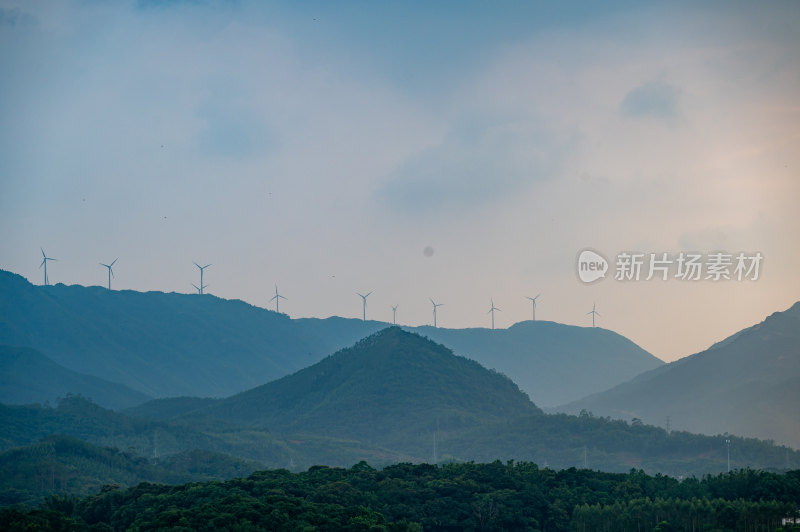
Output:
(392, 397)
(550, 361)
(747, 384)
(27, 376)
(168, 345)
(297, 393)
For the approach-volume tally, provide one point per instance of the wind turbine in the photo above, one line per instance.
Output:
(365, 304)
(277, 297)
(533, 304)
(394, 314)
(593, 313)
(435, 305)
(45, 258)
(202, 286)
(491, 310)
(110, 271)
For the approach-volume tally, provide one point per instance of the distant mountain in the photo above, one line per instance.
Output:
(27, 376)
(747, 384)
(167, 345)
(391, 388)
(550, 361)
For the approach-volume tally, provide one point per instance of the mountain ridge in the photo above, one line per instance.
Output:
(167, 345)
(726, 388)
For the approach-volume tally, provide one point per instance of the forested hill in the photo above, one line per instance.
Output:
(746, 384)
(409, 396)
(168, 345)
(61, 464)
(407, 497)
(391, 388)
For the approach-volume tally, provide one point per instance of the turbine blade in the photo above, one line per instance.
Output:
(193, 262)
(206, 266)
(368, 294)
(112, 273)
(274, 298)
(43, 255)
(115, 260)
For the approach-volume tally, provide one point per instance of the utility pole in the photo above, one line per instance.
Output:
(728, 443)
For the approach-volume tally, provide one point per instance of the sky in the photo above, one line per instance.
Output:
(461, 151)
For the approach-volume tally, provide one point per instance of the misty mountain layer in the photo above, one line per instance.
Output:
(168, 345)
(746, 384)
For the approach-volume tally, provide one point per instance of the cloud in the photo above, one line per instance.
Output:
(477, 163)
(15, 16)
(232, 129)
(656, 99)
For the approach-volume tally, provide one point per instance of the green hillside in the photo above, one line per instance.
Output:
(392, 387)
(61, 464)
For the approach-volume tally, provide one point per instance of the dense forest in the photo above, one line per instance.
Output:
(467, 496)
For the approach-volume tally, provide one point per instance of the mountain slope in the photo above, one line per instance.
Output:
(27, 376)
(60, 464)
(167, 345)
(746, 384)
(550, 361)
(392, 387)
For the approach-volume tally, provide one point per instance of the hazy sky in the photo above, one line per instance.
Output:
(324, 145)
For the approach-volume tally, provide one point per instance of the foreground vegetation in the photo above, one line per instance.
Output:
(494, 496)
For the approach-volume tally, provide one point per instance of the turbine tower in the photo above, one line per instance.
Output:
(364, 298)
(435, 306)
(45, 258)
(491, 311)
(277, 297)
(593, 313)
(202, 286)
(533, 304)
(110, 271)
(394, 314)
